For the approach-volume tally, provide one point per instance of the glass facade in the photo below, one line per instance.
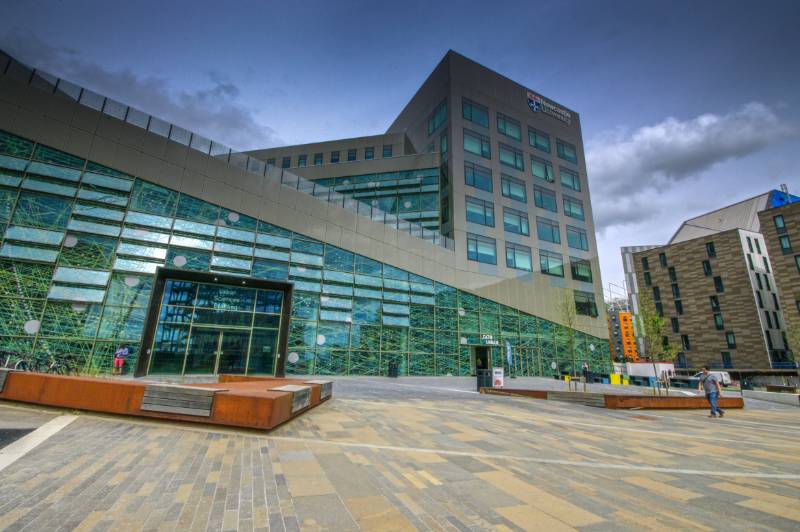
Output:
(80, 244)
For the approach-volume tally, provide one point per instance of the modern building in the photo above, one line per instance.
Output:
(621, 333)
(780, 226)
(344, 257)
(632, 287)
(714, 284)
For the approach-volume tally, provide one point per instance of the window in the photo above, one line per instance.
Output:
(387, 151)
(768, 336)
(647, 279)
(786, 245)
(780, 226)
(478, 176)
(775, 301)
(685, 342)
(659, 309)
(539, 139)
(758, 281)
(679, 306)
(662, 259)
(566, 151)
(758, 246)
(759, 300)
(712, 252)
(545, 199)
(718, 285)
(730, 338)
(513, 188)
(508, 127)
(518, 257)
(707, 268)
(718, 324)
(551, 263)
(369, 153)
(673, 276)
(335, 156)
(542, 169)
(750, 244)
(475, 112)
(443, 145)
(271, 161)
(547, 230)
(768, 318)
(675, 325)
(645, 263)
(776, 320)
(581, 269)
(477, 144)
(573, 207)
(286, 162)
(301, 160)
(481, 249)
(750, 261)
(727, 363)
(515, 221)
(585, 304)
(480, 212)
(437, 117)
(351, 155)
(766, 264)
(512, 157)
(577, 238)
(656, 293)
(766, 282)
(569, 179)
(317, 159)
(676, 292)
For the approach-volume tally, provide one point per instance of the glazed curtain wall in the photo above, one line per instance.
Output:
(81, 243)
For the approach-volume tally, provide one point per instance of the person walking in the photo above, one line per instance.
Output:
(119, 359)
(710, 383)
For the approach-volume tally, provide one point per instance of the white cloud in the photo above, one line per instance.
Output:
(627, 169)
(214, 111)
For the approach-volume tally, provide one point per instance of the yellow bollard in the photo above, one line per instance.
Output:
(624, 382)
(615, 379)
(566, 378)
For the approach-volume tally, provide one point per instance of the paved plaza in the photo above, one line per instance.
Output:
(412, 453)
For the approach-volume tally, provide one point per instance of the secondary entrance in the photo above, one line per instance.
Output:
(480, 358)
(202, 323)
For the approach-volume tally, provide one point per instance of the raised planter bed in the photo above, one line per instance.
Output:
(620, 401)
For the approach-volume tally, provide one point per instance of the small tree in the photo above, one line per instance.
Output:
(566, 308)
(651, 332)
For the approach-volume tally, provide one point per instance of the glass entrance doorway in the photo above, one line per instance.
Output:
(206, 328)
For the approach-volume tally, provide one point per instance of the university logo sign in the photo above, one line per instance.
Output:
(539, 104)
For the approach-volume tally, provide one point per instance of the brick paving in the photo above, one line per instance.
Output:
(403, 455)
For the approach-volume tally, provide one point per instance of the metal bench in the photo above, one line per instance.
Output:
(177, 399)
(301, 395)
(326, 388)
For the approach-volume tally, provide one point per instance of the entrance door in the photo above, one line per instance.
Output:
(481, 358)
(213, 350)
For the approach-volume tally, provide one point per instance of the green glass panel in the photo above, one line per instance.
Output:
(390, 272)
(50, 155)
(304, 364)
(88, 251)
(268, 269)
(24, 279)
(305, 246)
(122, 323)
(421, 341)
(364, 363)
(446, 319)
(185, 259)
(7, 198)
(338, 259)
(388, 358)
(365, 337)
(509, 324)
(15, 344)
(447, 365)
(38, 210)
(366, 310)
(305, 306)
(446, 342)
(333, 335)
(488, 306)
(469, 324)
(302, 334)
(197, 210)
(129, 290)
(394, 339)
(153, 199)
(270, 229)
(422, 316)
(15, 313)
(16, 146)
(464, 363)
(102, 360)
(239, 221)
(489, 324)
(331, 362)
(368, 266)
(70, 320)
(100, 169)
(421, 365)
(76, 354)
(446, 296)
(468, 302)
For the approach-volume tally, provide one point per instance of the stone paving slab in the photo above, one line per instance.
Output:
(405, 455)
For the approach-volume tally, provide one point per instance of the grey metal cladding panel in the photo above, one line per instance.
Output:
(200, 412)
(176, 399)
(326, 387)
(741, 215)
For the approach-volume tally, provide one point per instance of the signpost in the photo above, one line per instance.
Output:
(497, 377)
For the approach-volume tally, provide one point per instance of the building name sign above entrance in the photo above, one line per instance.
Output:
(488, 339)
(539, 104)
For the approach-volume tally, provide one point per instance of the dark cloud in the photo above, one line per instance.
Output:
(213, 111)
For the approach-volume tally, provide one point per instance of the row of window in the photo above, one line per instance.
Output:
(481, 177)
(479, 115)
(730, 339)
(519, 257)
(334, 157)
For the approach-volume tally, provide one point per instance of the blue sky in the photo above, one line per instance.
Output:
(685, 106)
